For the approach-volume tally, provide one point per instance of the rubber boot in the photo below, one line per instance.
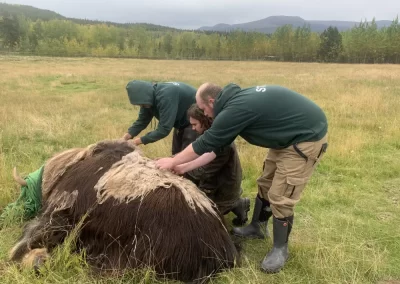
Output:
(276, 258)
(262, 212)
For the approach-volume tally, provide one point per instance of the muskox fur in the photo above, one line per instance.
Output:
(161, 221)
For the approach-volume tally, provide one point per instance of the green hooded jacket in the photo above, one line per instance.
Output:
(267, 116)
(168, 103)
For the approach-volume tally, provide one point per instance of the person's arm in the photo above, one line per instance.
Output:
(208, 176)
(144, 118)
(224, 129)
(197, 163)
(185, 156)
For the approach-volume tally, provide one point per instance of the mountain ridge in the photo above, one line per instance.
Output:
(34, 14)
(270, 24)
(267, 25)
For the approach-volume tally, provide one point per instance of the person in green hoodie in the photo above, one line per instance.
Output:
(221, 179)
(294, 129)
(168, 102)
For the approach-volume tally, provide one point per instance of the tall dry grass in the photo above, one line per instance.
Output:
(346, 225)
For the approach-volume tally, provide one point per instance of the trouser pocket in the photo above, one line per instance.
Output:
(324, 147)
(294, 187)
(284, 196)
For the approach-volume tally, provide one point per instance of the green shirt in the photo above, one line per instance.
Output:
(169, 104)
(267, 116)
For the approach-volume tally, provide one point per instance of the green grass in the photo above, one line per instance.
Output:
(347, 223)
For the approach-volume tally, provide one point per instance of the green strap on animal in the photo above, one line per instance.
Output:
(29, 201)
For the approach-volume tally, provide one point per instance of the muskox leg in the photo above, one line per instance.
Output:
(42, 233)
(22, 247)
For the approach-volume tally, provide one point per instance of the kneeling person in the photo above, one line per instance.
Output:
(218, 174)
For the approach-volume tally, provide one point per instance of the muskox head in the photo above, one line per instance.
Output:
(136, 216)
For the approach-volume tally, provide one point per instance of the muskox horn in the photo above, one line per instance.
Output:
(17, 178)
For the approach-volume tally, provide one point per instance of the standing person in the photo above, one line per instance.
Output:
(168, 102)
(294, 129)
(220, 178)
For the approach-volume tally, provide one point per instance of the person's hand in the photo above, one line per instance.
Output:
(165, 164)
(137, 141)
(179, 170)
(127, 136)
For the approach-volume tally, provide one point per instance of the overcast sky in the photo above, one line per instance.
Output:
(192, 14)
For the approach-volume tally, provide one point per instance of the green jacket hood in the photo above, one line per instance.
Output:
(140, 92)
(224, 96)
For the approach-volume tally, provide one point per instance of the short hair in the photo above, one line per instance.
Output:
(208, 90)
(195, 112)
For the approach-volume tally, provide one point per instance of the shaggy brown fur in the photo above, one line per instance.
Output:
(136, 176)
(166, 224)
(61, 162)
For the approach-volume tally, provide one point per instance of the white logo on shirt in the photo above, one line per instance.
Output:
(261, 89)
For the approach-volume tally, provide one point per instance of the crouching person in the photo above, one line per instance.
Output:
(166, 101)
(218, 174)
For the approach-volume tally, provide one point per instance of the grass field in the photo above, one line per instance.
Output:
(347, 225)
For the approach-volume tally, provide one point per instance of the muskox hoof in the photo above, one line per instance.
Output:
(35, 259)
(242, 207)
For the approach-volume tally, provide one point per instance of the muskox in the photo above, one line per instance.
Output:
(132, 214)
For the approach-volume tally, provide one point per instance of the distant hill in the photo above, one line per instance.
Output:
(270, 24)
(29, 12)
(46, 15)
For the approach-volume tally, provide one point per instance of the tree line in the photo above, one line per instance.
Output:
(364, 43)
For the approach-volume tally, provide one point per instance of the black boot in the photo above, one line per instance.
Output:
(242, 207)
(262, 212)
(276, 258)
